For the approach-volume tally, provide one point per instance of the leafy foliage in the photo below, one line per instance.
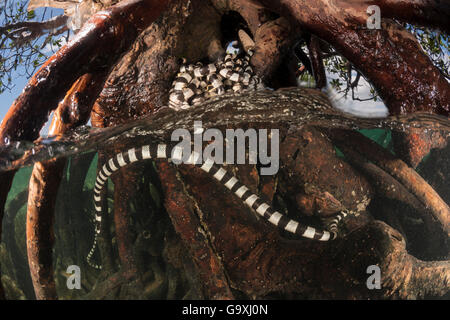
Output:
(25, 40)
(436, 44)
(346, 77)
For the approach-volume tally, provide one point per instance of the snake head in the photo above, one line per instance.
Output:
(246, 41)
(314, 200)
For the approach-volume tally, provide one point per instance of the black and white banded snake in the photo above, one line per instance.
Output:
(196, 83)
(185, 98)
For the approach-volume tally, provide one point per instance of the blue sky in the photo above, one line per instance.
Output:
(7, 98)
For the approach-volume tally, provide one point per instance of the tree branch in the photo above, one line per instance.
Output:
(16, 31)
(432, 13)
(315, 55)
(186, 222)
(97, 46)
(272, 40)
(387, 56)
(399, 170)
(73, 111)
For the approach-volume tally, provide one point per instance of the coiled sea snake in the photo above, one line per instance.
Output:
(161, 151)
(196, 83)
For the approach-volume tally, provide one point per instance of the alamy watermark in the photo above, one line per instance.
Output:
(74, 280)
(374, 280)
(235, 152)
(374, 20)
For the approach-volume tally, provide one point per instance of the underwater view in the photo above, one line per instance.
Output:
(211, 150)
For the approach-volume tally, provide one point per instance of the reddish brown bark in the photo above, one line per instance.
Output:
(414, 144)
(272, 37)
(316, 180)
(186, 222)
(125, 188)
(388, 187)
(98, 45)
(129, 94)
(40, 218)
(253, 254)
(315, 55)
(73, 111)
(251, 10)
(94, 49)
(76, 107)
(272, 40)
(391, 58)
(384, 183)
(430, 13)
(399, 170)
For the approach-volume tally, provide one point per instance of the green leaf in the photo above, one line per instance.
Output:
(31, 15)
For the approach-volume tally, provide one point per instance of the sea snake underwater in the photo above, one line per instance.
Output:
(193, 85)
(161, 151)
